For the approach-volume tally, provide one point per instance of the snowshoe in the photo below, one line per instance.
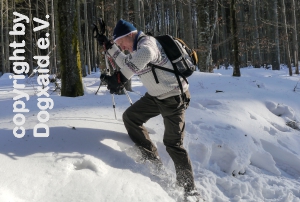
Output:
(192, 196)
(138, 154)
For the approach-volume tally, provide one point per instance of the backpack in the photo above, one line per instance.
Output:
(184, 60)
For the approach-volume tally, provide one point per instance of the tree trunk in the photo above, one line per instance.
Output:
(162, 18)
(53, 40)
(172, 17)
(83, 69)
(30, 41)
(295, 39)
(225, 46)
(142, 15)
(287, 46)
(87, 46)
(47, 29)
(261, 32)
(194, 23)
(276, 53)
(203, 35)
(126, 16)
(256, 53)
(67, 26)
(206, 29)
(137, 16)
(180, 28)
(91, 38)
(153, 18)
(7, 40)
(120, 10)
(100, 48)
(2, 41)
(188, 30)
(241, 34)
(236, 68)
(298, 26)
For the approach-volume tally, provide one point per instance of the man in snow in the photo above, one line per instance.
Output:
(163, 98)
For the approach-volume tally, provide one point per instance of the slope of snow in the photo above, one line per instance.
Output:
(236, 135)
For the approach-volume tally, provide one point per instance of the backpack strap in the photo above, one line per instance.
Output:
(175, 71)
(140, 38)
(153, 66)
(166, 40)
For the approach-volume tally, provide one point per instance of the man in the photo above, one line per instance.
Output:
(163, 98)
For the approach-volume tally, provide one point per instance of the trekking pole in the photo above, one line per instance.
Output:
(129, 99)
(107, 71)
(98, 88)
(102, 31)
(113, 65)
(114, 105)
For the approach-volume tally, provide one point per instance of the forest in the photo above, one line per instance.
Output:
(240, 33)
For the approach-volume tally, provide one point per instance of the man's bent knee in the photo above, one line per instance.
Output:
(173, 143)
(125, 117)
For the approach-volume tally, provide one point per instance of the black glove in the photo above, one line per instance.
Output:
(102, 40)
(102, 77)
(115, 83)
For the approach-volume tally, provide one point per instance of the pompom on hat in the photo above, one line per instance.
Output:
(123, 28)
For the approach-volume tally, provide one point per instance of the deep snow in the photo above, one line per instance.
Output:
(236, 135)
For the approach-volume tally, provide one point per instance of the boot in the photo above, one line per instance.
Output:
(192, 196)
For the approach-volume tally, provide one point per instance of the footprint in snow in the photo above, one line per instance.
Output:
(85, 164)
(280, 110)
(208, 102)
(228, 127)
(280, 128)
(252, 116)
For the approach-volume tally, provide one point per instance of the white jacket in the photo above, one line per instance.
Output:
(148, 50)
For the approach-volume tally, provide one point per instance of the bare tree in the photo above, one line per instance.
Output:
(256, 53)
(225, 47)
(7, 40)
(142, 14)
(126, 16)
(2, 40)
(233, 22)
(276, 53)
(120, 9)
(172, 18)
(30, 40)
(241, 33)
(287, 46)
(295, 38)
(180, 21)
(82, 61)
(67, 26)
(153, 17)
(162, 18)
(53, 40)
(207, 20)
(188, 29)
(87, 39)
(137, 13)
(204, 27)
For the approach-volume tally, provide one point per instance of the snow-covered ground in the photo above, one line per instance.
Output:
(236, 135)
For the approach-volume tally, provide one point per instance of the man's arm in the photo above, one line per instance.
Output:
(136, 61)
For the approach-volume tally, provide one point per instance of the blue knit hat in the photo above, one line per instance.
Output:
(123, 28)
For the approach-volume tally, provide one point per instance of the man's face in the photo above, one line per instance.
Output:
(126, 42)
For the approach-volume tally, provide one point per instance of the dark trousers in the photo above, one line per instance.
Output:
(172, 110)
